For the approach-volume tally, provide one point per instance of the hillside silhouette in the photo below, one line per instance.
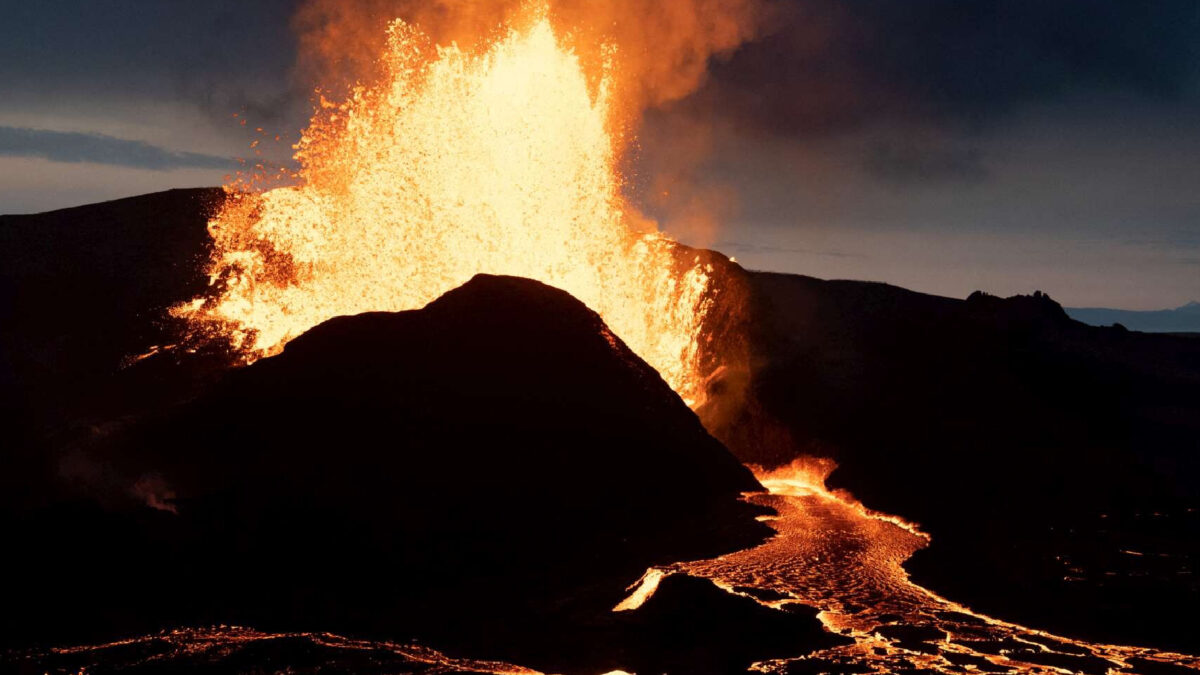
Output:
(486, 474)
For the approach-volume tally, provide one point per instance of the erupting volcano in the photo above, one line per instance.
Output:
(455, 163)
(446, 390)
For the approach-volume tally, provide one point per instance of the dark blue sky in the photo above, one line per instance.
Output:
(944, 145)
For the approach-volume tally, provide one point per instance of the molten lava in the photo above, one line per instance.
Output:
(455, 163)
(832, 553)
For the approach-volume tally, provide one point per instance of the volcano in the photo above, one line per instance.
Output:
(482, 473)
(489, 474)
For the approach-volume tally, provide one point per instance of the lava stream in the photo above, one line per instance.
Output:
(833, 554)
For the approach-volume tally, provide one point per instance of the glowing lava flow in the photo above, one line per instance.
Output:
(455, 163)
(833, 554)
(223, 648)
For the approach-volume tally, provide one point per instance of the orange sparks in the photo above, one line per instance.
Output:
(500, 161)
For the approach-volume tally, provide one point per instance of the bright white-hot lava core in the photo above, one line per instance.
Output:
(453, 164)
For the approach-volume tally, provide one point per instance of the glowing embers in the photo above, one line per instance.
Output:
(231, 648)
(455, 163)
(641, 590)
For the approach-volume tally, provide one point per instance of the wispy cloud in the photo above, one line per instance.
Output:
(73, 147)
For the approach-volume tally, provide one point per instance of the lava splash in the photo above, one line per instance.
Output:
(455, 163)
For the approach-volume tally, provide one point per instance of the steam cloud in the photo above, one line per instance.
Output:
(663, 46)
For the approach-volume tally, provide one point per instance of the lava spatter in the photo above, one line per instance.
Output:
(456, 163)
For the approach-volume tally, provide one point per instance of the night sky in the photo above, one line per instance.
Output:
(941, 145)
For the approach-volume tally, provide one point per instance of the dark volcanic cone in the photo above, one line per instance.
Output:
(487, 474)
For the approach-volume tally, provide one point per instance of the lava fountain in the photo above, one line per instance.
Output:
(501, 160)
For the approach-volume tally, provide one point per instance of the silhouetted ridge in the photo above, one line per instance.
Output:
(1032, 309)
(1183, 319)
(82, 290)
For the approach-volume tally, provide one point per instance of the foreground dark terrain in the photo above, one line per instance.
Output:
(1056, 465)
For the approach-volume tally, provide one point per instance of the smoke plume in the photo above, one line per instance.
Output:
(662, 47)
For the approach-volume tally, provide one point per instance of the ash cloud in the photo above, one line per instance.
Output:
(73, 147)
(663, 53)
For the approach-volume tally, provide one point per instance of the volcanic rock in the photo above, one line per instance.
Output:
(486, 474)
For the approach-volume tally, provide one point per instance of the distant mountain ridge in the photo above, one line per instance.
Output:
(1183, 319)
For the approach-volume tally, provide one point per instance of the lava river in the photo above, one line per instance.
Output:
(833, 554)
